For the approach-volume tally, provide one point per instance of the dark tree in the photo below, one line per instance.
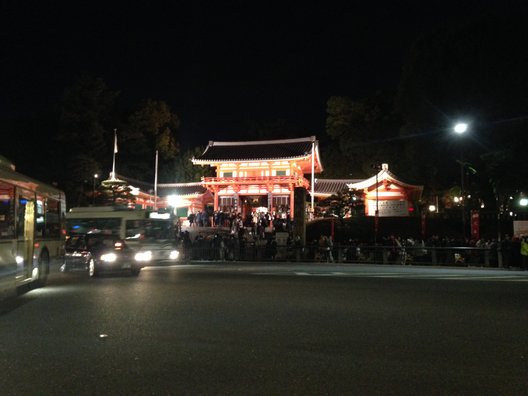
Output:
(364, 132)
(85, 135)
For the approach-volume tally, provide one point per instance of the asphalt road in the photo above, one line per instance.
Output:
(269, 330)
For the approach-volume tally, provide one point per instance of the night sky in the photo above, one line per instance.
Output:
(217, 66)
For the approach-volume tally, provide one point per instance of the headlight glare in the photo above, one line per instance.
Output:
(174, 254)
(143, 256)
(109, 257)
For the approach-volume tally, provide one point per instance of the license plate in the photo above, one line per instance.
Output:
(126, 266)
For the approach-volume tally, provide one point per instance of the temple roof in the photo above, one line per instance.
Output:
(183, 189)
(328, 187)
(261, 150)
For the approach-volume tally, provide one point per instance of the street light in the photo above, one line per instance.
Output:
(460, 128)
(95, 177)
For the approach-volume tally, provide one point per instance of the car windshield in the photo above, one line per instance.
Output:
(90, 241)
(149, 229)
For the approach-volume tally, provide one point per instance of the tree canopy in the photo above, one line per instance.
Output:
(362, 132)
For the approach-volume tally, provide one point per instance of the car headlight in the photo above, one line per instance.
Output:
(143, 256)
(109, 257)
(174, 254)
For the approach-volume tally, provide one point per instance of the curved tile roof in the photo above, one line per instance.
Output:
(257, 150)
(183, 189)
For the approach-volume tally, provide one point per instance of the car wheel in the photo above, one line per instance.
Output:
(135, 271)
(43, 269)
(92, 268)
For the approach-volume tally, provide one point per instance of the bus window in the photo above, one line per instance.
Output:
(48, 217)
(7, 211)
(25, 215)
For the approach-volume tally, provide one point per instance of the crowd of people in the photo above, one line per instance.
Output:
(258, 221)
(254, 237)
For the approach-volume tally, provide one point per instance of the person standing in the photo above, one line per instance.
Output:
(524, 253)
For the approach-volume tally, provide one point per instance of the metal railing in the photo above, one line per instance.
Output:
(364, 254)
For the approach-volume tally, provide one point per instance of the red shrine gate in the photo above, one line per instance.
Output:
(259, 174)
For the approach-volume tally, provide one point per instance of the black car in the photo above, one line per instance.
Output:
(97, 253)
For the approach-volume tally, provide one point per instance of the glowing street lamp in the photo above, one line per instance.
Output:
(95, 177)
(460, 128)
(523, 202)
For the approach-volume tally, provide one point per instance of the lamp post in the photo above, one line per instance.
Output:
(376, 168)
(460, 128)
(95, 177)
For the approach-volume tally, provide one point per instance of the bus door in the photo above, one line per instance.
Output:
(25, 229)
(8, 243)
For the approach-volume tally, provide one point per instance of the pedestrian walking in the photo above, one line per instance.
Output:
(524, 253)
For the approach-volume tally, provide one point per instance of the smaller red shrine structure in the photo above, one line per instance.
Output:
(390, 196)
(186, 198)
(259, 174)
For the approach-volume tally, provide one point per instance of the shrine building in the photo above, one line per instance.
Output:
(387, 194)
(392, 197)
(260, 174)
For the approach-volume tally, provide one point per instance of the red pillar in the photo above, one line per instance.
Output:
(292, 201)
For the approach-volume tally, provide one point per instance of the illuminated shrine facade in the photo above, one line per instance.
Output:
(252, 175)
(384, 191)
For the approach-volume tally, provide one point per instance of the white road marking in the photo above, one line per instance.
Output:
(402, 275)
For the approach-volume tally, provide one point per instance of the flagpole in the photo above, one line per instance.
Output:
(312, 209)
(115, 151)
(156, 183)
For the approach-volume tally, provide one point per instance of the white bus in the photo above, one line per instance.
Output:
(131, 225)
(150, 234)
(31, 228)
